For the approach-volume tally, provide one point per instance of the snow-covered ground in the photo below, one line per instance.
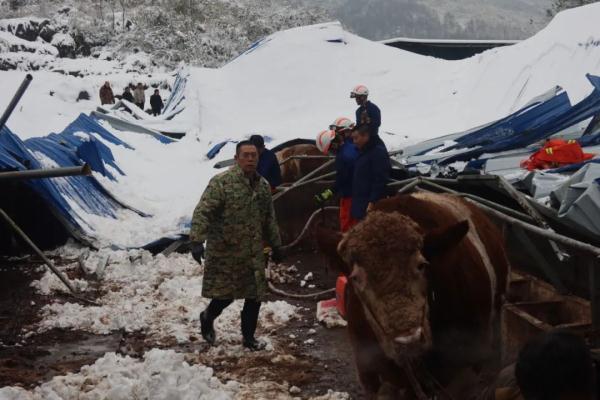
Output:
(161, 374)
(160, 298)
(158, 295)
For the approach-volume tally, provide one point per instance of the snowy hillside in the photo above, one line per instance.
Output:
(466, 19)
(202, 32)
(293, 84)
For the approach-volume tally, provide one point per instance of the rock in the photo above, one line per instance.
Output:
(47, 32)
(7, 65)
(83, 95)
(82, 45)
(27, 29)
(65, 44)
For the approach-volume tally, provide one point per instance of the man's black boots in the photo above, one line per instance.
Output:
(249, 322)
(253, 344)
(207, 329)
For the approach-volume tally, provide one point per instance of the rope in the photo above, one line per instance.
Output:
(299, 296)
(280, 292)
(306, 226)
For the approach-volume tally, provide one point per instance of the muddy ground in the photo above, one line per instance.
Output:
(28, 359)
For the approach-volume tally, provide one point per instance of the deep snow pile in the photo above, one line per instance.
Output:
(160, 296)
(293, 84)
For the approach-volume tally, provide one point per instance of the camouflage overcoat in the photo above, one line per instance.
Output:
(235, 218)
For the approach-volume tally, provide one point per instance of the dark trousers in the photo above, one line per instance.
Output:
(249, 314)
(156, 111)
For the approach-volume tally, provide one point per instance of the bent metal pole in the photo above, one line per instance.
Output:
(49, 263)
(15, 100)
(47, 173)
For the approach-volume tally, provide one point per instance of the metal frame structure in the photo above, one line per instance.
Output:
(520, 227)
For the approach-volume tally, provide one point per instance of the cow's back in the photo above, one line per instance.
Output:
(294, 169)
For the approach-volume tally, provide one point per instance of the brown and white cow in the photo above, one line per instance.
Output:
(294, 169)
(427, 277)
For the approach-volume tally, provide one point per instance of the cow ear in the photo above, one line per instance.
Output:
(440, 240)
(327, 243)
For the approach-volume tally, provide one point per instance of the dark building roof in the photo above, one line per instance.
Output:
(448, 49)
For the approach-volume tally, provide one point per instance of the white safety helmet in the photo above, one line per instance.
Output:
(341, 124)
(360, 90)
(324, 140)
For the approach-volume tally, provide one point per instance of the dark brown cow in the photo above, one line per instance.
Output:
(295, 169)
(428, 274)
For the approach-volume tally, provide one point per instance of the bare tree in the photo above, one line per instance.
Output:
(560, 5)
(123, 8)
(99, 4)
(113, 5)
(15, 4)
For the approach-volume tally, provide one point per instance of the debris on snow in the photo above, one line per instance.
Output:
(160, 295)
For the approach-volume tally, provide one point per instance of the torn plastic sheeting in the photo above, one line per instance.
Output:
(178, 93)
(554, 123)
(524, 119)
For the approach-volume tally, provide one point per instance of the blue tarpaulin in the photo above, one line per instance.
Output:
(555, 120)
(521, 121)
(70, 198)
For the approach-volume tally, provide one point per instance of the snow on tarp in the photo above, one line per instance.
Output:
(117, 122)
(527, 118)
(74, 198)
(553, 122)
(521, 121)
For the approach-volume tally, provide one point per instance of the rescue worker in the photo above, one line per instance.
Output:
(106, 94)
(127, 94)
(139, 95)
(367, 112)
(235, 216)
(339, 141)
(268, 165)
(156, 103)
(371, 172)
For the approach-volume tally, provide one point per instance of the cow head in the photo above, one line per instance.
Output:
(389, 254)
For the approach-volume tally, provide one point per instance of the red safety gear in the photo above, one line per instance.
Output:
(556, 153)
(346, 220)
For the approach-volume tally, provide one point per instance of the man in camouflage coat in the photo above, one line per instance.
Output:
(235, 216)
